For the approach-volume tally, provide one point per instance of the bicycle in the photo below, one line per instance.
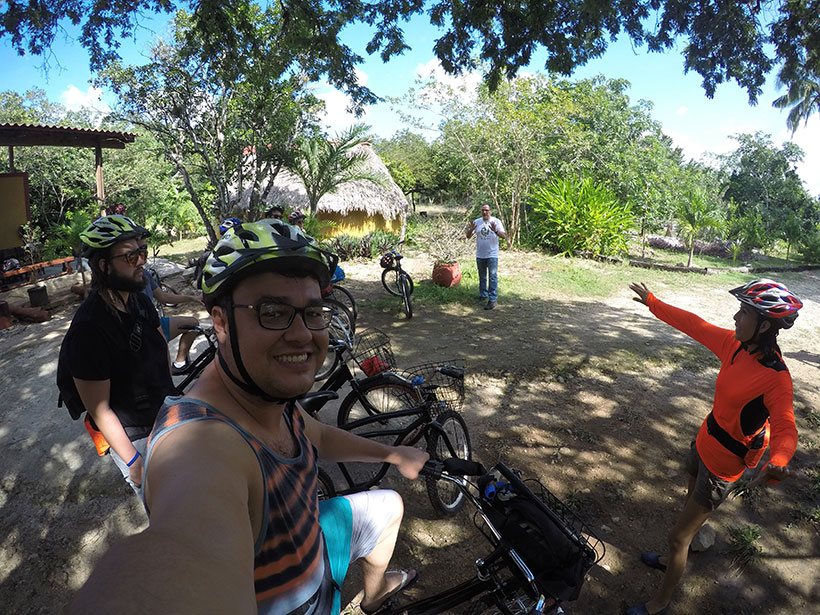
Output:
(341, 331)
(541, 550)
(396, 280)
(201, 360)
(419, 409)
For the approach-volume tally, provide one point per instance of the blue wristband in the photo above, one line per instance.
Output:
(134, 459)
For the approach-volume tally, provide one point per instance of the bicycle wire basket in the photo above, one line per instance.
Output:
(372, 352)
(444, 378)
(557, 546)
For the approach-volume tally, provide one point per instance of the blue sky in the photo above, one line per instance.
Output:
(696, 124)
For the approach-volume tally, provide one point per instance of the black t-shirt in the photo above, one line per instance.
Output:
(99, 345)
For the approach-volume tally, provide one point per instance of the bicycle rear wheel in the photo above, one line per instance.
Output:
(445, 497)
(376, 397)
(326, 489)
(331, 361)
(345, 297)
(390, 281)
(342, 324)
(406, 283)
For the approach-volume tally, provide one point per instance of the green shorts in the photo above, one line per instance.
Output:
(710, 491)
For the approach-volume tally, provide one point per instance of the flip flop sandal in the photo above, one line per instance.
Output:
(408, 579)
(653, 560)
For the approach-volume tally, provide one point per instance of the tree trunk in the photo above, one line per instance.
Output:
(691, 253)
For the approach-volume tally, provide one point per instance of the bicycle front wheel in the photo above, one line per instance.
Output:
(390, 281)
(453, 440)
(406, 283)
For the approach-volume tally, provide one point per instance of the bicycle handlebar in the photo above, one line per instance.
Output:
(434, 468)
(452, 371)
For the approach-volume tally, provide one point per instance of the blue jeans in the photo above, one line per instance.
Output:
(487, 266)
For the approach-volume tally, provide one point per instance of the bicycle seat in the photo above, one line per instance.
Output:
(312, 402)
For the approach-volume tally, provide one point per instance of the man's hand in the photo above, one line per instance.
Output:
(641, 290)
(408, 460)
(492, 227)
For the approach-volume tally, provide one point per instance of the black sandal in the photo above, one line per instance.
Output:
(653, 560)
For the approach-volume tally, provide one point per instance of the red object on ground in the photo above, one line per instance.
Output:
(447, 274)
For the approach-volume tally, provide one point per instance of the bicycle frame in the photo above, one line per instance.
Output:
(486, 580)
(422, 425)
(200, 361)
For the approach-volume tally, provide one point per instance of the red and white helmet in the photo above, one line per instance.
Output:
(771, 299)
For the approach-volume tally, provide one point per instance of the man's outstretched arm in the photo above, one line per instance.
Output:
(197, 554)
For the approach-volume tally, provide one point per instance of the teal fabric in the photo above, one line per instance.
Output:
(336, 519)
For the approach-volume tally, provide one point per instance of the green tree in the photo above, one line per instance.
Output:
(502, 36)
(802, 98)
(764, 186)
(227, 124)
(697, 215)
(410, 159)
(324, 165)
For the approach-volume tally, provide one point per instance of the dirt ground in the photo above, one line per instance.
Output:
(595, 397)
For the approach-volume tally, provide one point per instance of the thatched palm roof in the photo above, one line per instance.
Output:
(385, 199)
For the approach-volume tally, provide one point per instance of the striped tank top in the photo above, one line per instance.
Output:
(289, 551)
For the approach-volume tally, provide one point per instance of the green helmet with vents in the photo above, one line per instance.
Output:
(106, 231)
(266, 245)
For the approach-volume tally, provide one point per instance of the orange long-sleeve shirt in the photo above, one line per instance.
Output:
(746, 394)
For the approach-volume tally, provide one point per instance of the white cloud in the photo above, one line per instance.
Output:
(337, 116)
(75, 99)
(682, 110)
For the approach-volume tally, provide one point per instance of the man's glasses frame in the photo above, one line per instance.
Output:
(133, 257)
(324, 315)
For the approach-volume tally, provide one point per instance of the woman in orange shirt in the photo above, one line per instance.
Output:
(752, 403)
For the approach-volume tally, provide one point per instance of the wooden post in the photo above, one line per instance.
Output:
(11, 159)
(99, 175)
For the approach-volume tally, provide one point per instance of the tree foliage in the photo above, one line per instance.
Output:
(766, 191)
(61, 180)
(501, 37)
(227, 123)
(324, 164)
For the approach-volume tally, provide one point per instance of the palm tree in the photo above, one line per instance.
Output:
(697, 214)
(803, 96)
(324, 165)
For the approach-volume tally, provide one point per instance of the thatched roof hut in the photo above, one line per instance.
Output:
(356, 207)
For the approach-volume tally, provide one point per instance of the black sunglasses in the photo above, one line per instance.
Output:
(133, 257)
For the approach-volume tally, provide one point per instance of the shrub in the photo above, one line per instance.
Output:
(810, 248)
(368, 246)
(443, 239)
(571, 216)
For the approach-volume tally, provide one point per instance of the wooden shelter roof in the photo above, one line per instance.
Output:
(30, 134)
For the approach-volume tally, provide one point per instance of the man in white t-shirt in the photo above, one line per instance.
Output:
(487, 229)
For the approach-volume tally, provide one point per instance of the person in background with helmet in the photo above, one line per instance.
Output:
(228, 223)
(297, 218)
(275, 213)
(231, 471)
(114, 348)
(752, 403)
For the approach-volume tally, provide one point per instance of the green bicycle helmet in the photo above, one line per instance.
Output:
(106, 231)
(266, 245)
(254, 247)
